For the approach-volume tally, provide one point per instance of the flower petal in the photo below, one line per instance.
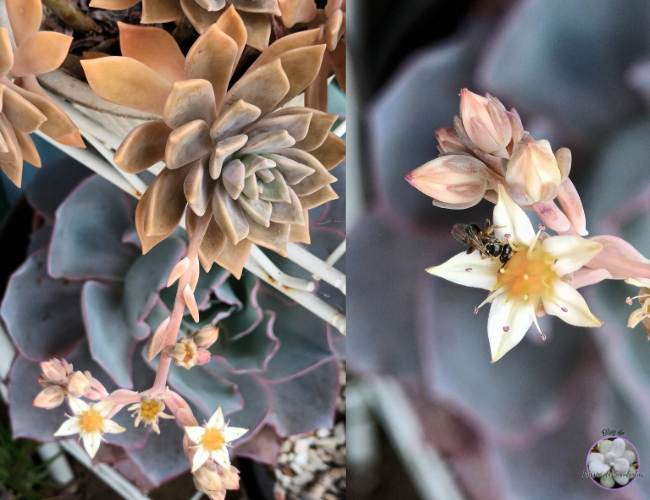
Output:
(514, 220)
(154, 47)
(469, 270)
(195, 433)
(69, 427)
(112, 428)
(216, 420)
(130, 83)
(200, 458)
(103, 407)
(92, 442)
(221, 457)
(232, 433)
(508, 322)
(570, 252)
(565, 302)
(77, 405)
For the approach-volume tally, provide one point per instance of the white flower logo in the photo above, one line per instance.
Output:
(612, 464)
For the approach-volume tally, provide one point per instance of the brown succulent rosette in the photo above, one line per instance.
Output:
(255, 14)
(235, 156)
(25, 106)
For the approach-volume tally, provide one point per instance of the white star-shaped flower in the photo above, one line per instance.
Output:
(530, 280)
(212, 440)
(90, 422)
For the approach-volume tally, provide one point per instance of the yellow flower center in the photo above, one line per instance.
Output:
(150, 409)
(91, 421)
(189, 353)
(212, 440)
(527, 275)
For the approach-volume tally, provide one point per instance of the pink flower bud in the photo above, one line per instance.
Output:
(208, 478)
(533, 172)
(50, 397)
(230, 478)
(449, 141)
(78, 385)
(457, 180)
(202, 356)
(206, 336)
(55, 370)
(486, 122)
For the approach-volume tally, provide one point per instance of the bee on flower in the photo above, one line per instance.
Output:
(90, 422)
(149, 410)
(532, 282)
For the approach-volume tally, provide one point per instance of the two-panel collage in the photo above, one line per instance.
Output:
(178, 181)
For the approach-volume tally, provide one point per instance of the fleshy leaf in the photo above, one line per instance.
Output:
(243, 294)
(306, 402)
(143, 147)
(43, 315)
(127, 82)
(302, 335)
(53, 183)
(264, 87)
(25, 18)
(144, 279)
(87, 240)
(154, 47)
(41, 53)
(111, 343)
(253, 351)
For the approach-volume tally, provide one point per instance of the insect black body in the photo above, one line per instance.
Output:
(484, 241)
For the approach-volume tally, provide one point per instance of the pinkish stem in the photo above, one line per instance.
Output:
(173, 327)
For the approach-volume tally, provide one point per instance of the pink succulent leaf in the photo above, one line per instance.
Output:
(302, 336)
(87, 240)
(295, 410)
(42, 314)
(53, 184)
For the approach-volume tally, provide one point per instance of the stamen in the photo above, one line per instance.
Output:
(506, 236)
(468, 269)
(525, 296)
(628, 301)
(506, 328)
(525, 276)
(541, 227)
(476, 310)
(564, 309)
(532, 247)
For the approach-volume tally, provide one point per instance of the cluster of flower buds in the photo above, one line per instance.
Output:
(193, 350)
(488, 147)
(59, 381)
(214, 479)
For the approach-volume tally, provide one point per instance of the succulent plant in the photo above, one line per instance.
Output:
(255, 14)
(95, 300)
(26, 107)
(508, 431)
(247, 169)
